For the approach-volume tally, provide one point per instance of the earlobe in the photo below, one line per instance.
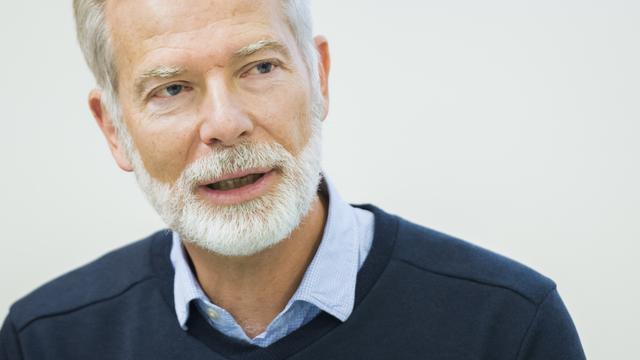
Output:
(104, 121)
(324, 66)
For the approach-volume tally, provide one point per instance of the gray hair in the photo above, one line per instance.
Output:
(95, 41)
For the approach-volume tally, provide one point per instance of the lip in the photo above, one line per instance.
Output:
(242, 194)
(237, 174)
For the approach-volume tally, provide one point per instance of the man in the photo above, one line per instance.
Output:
(216, 106)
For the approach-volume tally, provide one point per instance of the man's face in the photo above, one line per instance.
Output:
(216, 97)
(211, 90)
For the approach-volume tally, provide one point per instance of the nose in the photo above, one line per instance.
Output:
(224, 122)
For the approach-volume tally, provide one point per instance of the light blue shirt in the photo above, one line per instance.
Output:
(329, 283)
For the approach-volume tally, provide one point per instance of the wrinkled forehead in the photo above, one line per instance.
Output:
(140, 25)
(159, 16)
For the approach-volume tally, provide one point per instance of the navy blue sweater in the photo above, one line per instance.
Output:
(420, 295)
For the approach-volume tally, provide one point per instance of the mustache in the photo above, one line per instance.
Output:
(240, 157)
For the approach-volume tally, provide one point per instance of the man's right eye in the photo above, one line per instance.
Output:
(171, 90)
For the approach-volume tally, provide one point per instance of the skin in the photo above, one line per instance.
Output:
(223, 100)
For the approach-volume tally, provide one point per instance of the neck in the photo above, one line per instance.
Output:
(256, 288)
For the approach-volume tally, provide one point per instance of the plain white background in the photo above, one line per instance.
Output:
(511, 124)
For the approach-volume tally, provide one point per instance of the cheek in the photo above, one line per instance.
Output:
(285, 117)
(164, 150)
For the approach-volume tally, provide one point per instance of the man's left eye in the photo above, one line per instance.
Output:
(264, 68)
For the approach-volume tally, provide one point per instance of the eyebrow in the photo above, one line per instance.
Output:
(162, 72)
(261, 45)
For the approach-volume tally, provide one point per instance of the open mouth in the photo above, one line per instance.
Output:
(236, 183)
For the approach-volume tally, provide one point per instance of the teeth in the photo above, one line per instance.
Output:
(235, 183)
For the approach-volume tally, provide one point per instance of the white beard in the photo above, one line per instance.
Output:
(246, 228)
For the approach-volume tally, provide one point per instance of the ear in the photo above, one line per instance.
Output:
(104, 121)
(324, 65)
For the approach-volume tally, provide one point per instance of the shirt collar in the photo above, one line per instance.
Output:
(185, 286)
(329, 281)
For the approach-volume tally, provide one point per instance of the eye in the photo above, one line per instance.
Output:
(264, 67)
(172, 90)
(261, 68)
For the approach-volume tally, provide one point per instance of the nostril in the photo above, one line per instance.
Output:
(225, 131)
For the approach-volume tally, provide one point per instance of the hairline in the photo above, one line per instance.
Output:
(103, 52)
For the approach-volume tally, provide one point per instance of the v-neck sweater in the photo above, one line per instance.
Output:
(328, 283)
(420, 294)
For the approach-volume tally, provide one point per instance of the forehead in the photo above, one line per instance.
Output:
(139, 27)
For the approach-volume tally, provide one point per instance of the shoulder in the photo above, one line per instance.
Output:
(105, 278)
(447, 256)
(455, 260)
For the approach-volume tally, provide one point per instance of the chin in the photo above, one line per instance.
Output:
(274, 209)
